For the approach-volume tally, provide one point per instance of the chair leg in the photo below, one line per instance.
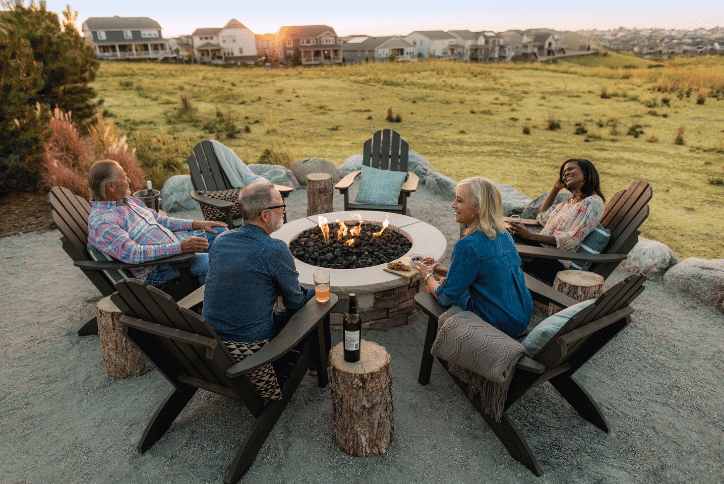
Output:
(321, 356)
(164, 417)
(580, 400)
(90, 328)
(265, 422)
(513, 441)
(427, 358)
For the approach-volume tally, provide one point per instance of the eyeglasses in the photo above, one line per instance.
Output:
(283, 206)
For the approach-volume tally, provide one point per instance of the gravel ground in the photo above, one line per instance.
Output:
(660, 384)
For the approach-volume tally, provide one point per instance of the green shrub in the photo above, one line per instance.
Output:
(275, 156)
(553, 123)
(604, 93)
(701, 97)
(526, 129)
(161, 156)
(186, 112)
(679, 139)
(580, 129)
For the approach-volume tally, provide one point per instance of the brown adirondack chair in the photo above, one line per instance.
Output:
(556, 362)
(70, 214)
(187, 351)
(207, 175)
(623, 215)
(385, 151)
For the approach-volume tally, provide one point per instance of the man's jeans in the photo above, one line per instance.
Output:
(164, 273)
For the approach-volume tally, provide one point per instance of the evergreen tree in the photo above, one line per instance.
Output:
(23, 129)
(66, 62)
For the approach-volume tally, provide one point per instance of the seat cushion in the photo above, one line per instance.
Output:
(594, 243)
(547, 328)
(380, 187)
(213, 213)
(264, 379)
(115, 275)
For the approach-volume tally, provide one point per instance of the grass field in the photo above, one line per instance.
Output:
(466, 119)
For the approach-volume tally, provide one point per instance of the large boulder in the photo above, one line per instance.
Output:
(513, 200)
(650, 258)
(276, 174)
(440, 185)
(532, 209)
(353, 163)
(176, 194)
(302, 168)
(701, 278)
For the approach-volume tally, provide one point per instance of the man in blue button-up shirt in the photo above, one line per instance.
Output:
(248, 270)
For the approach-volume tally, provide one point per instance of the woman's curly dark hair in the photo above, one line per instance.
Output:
(592, 183)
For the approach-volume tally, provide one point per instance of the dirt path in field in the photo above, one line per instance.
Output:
(660, 384)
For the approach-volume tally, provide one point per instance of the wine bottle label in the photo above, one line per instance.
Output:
(351, 340)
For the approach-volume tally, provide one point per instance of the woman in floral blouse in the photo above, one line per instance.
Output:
(566, 224)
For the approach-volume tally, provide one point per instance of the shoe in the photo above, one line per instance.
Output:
(312, 372)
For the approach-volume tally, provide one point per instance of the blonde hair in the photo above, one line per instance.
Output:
(486, 196)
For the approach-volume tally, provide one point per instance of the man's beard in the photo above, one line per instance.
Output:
(277, 224)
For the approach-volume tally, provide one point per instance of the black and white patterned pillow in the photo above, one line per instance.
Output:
(264, 378)
(213, 213)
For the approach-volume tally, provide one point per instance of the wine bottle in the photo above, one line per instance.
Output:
(149, 192)
(352, 329)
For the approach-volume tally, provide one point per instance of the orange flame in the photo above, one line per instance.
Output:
(384, 226)
(350, 242)
(324, 227)
(342, 230)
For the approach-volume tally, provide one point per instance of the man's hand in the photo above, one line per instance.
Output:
(194, 244)
(206, 225)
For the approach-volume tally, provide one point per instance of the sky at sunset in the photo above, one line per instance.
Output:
(374, 17)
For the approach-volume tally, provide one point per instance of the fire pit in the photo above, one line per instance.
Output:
(384, 300)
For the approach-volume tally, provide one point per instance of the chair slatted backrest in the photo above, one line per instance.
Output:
(70, 214)
(386, 151)
(206, 172)
(192, 354)
(614, 303)
(623, 215)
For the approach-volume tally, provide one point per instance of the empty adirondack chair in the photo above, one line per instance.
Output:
(623, 215)
(187, 351)
(556, 362)
(385, 151)
(70, 214)
(208, 175)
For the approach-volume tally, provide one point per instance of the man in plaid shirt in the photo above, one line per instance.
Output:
(124, 228)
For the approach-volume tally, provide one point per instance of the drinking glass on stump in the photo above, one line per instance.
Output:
(321, 285)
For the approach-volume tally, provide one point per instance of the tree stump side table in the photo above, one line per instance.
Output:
(120, 358)
(580, 285)
(363, 415)
(320, 193)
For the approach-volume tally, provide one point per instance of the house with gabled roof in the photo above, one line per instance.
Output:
(465, 40)
(310, 45)
(125, 38)
(231, 44)
(378, 49)
(511, 46)
(431, 43)
(487, 48)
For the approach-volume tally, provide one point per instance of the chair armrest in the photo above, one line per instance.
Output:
(181, 259)
(530, 222)
(193, 299)
(214, 202)
(528, 251)
(410, 184)
(544, 293)
(347, 181)
(529, 364)
(429, 305)
(299, 326)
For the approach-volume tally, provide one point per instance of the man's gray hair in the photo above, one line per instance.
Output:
(99, 175)
(254, 198)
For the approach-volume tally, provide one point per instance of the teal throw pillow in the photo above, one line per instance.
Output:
(594, 243)
(115, 275)
(547, 328)
(380, 187)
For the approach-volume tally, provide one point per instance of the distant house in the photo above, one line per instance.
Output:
(181, 47)
(125, 38)
(231, 44)
(378, 49)
(310, 45)
(511, 46)
(433, 43)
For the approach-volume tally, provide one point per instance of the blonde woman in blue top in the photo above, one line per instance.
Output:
(484, 275)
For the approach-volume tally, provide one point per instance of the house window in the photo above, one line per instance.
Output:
(290, 43)
(101, 35)
(127, 34)
(328, 40)
(149, 34)
(228, 39)
(241, 51)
